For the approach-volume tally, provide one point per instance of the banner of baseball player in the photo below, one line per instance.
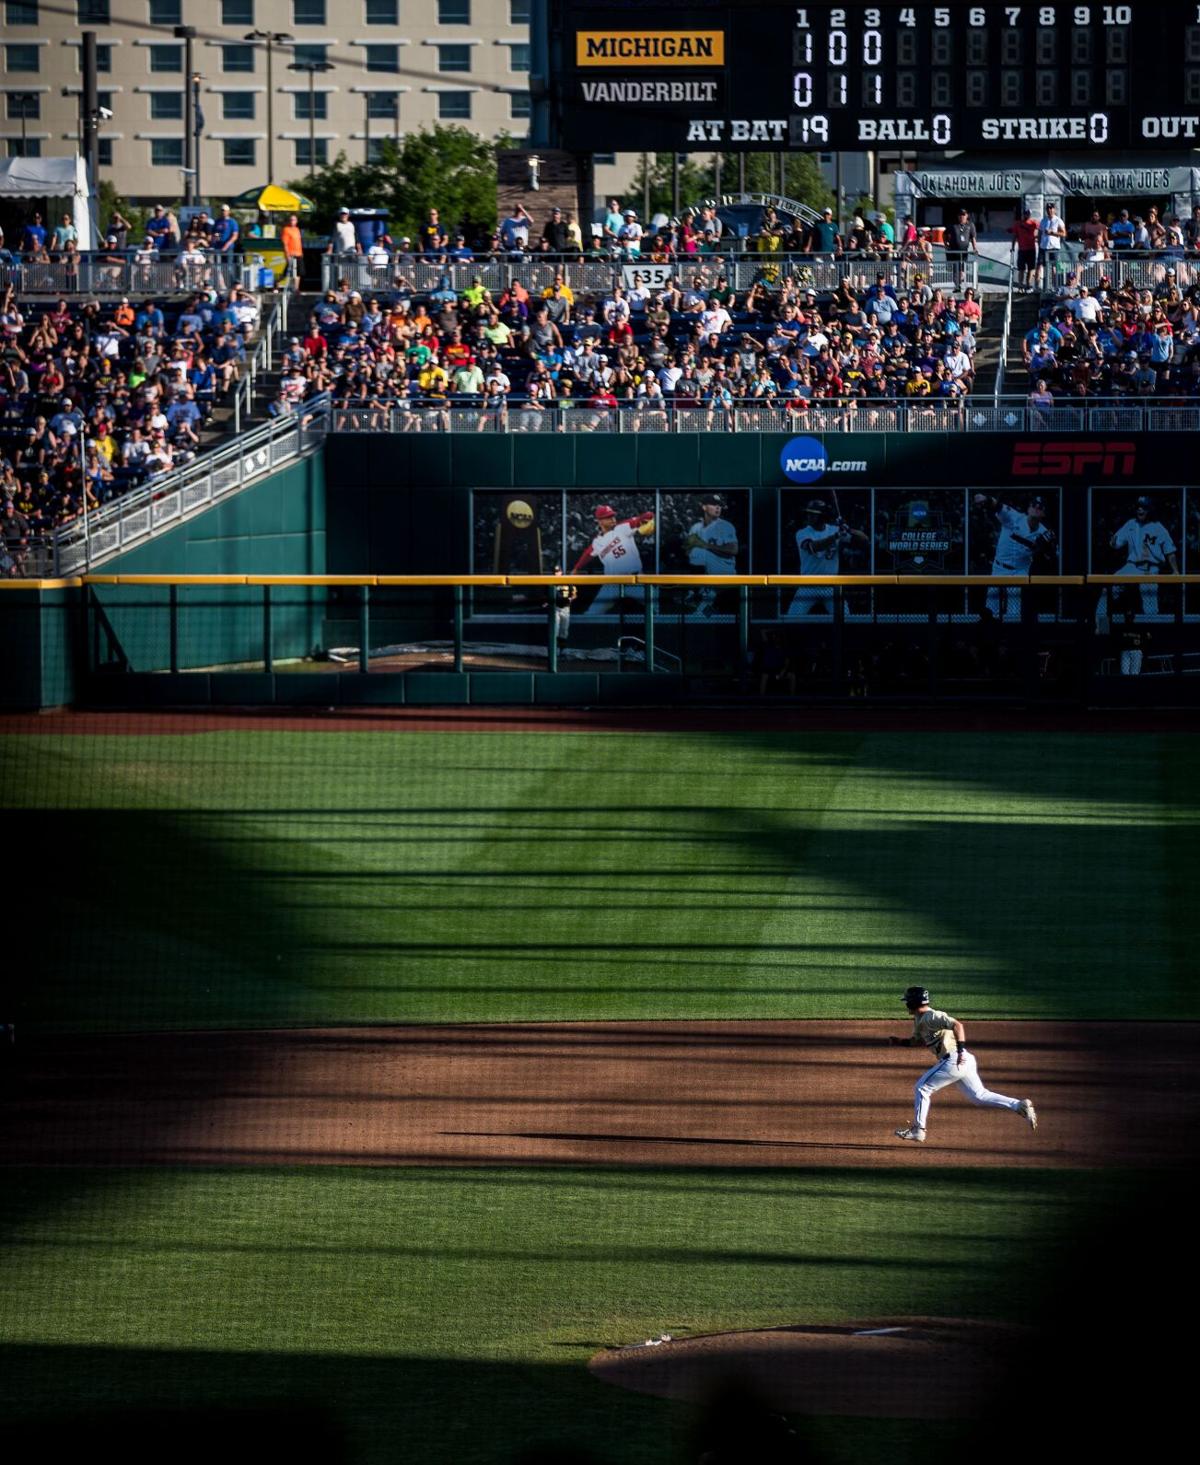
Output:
(824, 531)
(612, 532)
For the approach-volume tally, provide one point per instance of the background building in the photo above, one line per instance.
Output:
(396, 65)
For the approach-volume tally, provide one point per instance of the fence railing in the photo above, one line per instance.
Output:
(589, 276)
(1003, 414)
(1142, 269)
(126, 274)
(172, 497)
(261, 360)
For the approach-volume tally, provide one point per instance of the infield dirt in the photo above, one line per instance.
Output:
(780, 1094)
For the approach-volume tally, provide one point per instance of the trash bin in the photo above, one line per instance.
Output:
(369, 225)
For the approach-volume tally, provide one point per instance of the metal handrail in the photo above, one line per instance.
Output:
(1004, 414)
(111, 272)
(1004, 333)
(172, 497)
(536, 271)
(261, 359)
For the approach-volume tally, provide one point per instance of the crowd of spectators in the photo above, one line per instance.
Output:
(621, 235)
(694, 342)
(1116, 340)
(99, 398)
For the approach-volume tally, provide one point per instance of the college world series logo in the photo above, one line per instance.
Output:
(803, 460)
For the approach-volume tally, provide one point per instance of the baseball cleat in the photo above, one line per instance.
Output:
(1029, 1112)
(918, 1135)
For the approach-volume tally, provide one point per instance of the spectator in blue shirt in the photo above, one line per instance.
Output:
(225, 231)
(1120, 234)
(158, 228)
(34, 236)
(150, 318)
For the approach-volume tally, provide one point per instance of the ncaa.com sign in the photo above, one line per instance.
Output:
(804, 460)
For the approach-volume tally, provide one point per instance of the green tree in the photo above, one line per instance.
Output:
(443, 168)
(109, 199)
(695, 183)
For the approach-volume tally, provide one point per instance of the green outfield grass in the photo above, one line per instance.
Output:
(265, 877)
(447, 1315)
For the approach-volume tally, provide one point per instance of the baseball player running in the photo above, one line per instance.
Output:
(1022, 536)
(819, 543)
(944, 1036)
(1148, 548)
(616, 548)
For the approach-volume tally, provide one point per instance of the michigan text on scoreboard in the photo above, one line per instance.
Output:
(707, 75)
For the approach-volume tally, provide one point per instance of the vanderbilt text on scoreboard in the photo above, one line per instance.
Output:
(766, 75)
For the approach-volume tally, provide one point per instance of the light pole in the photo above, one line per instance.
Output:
(270, 39)
(187, 34)
(311, 67)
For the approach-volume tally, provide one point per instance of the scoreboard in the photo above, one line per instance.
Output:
(764, 75)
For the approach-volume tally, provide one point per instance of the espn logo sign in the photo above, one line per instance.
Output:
(650, 48)
(1071, 460)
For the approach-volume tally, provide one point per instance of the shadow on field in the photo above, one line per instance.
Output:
(196, 927)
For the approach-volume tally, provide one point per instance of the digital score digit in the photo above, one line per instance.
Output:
(991, 76)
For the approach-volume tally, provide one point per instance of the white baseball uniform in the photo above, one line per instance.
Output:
(619, 554)
(1012, 557)
(719, 531)
(819, 553)
(935, 1030)
(1146, 547)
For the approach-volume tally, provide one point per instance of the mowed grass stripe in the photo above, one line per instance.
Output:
(290, 878)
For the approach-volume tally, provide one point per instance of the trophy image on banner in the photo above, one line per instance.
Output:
(518, 539)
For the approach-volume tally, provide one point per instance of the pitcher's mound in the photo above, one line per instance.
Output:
(889, 1368)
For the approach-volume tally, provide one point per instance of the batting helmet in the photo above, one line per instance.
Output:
(1145, 502)
(915, 997)
(817, 506)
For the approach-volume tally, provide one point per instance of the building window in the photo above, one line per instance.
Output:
(383, 105)
(454, 58)
(383, 12)
(103, 56)
(239, 152)
(21, 12)
(518, 57)
(24, 106)
(166, 58)
(375, 147)
(24, 147)
(454, 12)
(303, 159)
(518, 12)
(104, 152)
(92, 12)
(308, 12)
(166, 12)
(518, 105)
(454, 106)
(237, 106)
(383, 58)
(306, 51)
(22, 58)
(237, 12)
(166, 152)
(166, 106)
(320, 106)
(237, 58)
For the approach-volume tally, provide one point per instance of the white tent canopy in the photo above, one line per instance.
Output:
(42, 178)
